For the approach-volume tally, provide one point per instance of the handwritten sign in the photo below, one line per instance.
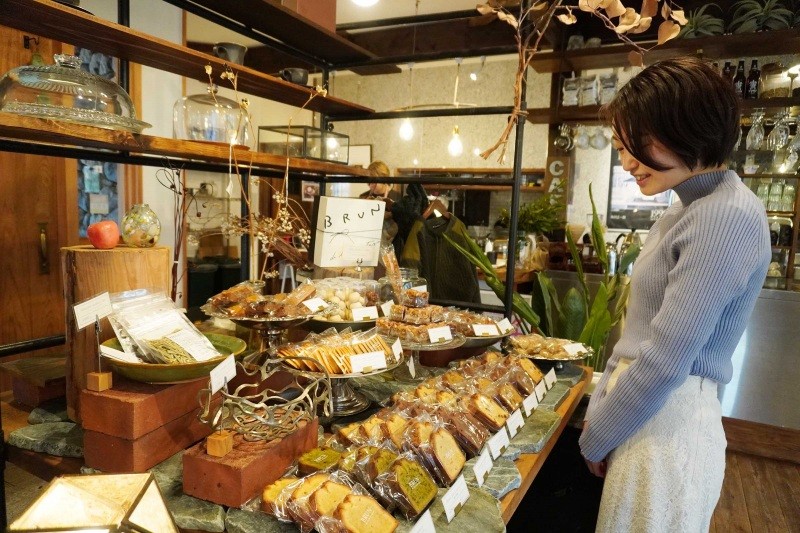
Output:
(485, 330)
(482, 466)
(365, 313)
(550, 378)
(440, 334)
(455, 498)
(348, 232)
(367, 362)
(315, 304)
(540, 390)
(530, 403)
(424, 524)
(575, 348)
(223, 373)
(505, 326)
(498, 443)
(386, 308)
(87, 311)
(515, 423)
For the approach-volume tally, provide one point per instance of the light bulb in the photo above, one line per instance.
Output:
(476, 151)
(416, 161)
(406, 130)
(365, 3)
(473, 76)
(332, 143)
(455, 147)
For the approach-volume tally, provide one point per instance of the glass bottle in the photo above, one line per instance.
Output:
(728, 71)
(141, 227)
(739, 79)
(751, 85)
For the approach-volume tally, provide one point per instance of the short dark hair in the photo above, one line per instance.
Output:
(683, 103)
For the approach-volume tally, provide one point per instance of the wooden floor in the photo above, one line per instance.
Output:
(758, 495)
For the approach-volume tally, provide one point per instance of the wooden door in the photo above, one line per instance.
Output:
(33, 225)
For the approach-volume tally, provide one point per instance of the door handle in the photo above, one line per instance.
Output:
(44, 262)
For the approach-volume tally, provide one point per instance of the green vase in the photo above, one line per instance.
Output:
(141, 227)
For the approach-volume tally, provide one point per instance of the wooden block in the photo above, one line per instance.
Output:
(88, 272)
(114, 454)
(246, 470)
(28, 394)
(131, 409)
(219, 444)
(99, 381)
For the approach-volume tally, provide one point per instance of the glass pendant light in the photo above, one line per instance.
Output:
(365, 3)
(406, 128)
(456, 147)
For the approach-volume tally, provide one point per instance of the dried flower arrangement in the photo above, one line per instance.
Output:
(533, 19)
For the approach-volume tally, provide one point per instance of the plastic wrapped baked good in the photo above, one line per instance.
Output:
(274, 496)
(415, 298)
(321, 458)
(298, 503)
(362, 514)
(486, 410)
(437, 450)
(409, 485)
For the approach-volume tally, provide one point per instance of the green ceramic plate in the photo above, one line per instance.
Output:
(153, 373)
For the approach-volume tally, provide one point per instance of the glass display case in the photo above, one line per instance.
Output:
(304, 141)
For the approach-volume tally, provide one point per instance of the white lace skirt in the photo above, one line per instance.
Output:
(668, 475)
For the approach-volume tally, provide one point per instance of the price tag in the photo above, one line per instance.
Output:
(397, 349)
(315, 304)
(412, 371)
(424, 524)
(194, 344)
(482, 467)
(440, 334)
(505, 326)
(97, 307)
(574, 348)
(530, 403)
(550, 378)
(223, 373)
(540, 390)
(367, 362)
(498, 443)
(386, 308)
(455, 498)
(485, 330)
(420, 288)
(118, 354)
(365, 313)
(515, 422)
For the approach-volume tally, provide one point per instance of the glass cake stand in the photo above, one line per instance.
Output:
(403, 373)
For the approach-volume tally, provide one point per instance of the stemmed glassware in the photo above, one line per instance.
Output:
(778, 138)
(755, 137)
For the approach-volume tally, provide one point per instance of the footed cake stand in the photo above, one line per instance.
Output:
(403, 372)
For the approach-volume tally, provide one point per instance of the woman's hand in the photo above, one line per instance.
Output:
(597, 468)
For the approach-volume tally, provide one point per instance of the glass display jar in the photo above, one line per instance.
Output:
(141, 227)
(410, 279)
(774, 81)
(211, 117)
(65, 92)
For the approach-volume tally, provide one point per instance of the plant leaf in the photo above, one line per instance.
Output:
(588, 5)
(485, 9)
(667, 30)
(649, 8)
(614, 8)
(574, 315)
(597, 234)
(636, 59)
(629, 17)
(629, 257)
(508, 17)
(540, 302)
(665, 11)
(679, 17)
(643, 26)
(567, 18)
(539, 6)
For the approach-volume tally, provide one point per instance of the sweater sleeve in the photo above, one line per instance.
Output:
(719, 252)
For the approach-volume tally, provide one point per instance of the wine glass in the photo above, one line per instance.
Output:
(755, 137)
(778, 138)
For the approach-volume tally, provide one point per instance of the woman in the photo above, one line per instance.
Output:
(653, 428)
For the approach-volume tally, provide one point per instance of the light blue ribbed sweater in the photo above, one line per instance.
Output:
(693, 288)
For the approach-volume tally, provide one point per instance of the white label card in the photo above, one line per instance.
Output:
(97, 307)
(424, 524)
(222, 374)
(118, 354)
(550, 378)
(397, 349)
(315, 304)
(485, 330)
(482, 467)
(420, 288)
(365, 313)
(386, 308)
(505, 326)
(574, 348)
(530, 403)
(440, 334)
(412, 371)
(540, 390)
(367, 362)
(194, 344)
(498, 443)
(515, 422)
(455, 498)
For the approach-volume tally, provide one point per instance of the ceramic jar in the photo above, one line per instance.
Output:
(141, 227)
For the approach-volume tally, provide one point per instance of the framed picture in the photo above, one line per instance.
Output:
(628, 208)
(309, 189)
(360, 155)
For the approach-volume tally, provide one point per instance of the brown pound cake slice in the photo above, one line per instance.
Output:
(362, 514)
(447, 455)
(326, 499)
(270, 496)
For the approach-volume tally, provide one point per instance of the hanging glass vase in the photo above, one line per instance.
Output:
(141, 227)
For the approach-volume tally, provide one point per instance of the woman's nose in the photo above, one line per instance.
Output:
(628, 163)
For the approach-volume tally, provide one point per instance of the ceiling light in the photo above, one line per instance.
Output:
(406, 130)
(474, 74)
(365, 3)
(455, 148)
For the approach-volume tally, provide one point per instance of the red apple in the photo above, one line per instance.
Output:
(104, 234)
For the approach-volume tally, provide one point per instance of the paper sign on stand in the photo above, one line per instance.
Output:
(483, 466)
(315, 304)
(505, 326)
(348, 232)
(574, 348)
(367, 362)
(90, 310)
(455, 498)
(485, 330)
(424, 524)
(530, 403)
(440, 334)
(365, 313)
(515, 422)
(222, 374)
(386, 308)
(550, 378)
(498, 443)
(540, 390)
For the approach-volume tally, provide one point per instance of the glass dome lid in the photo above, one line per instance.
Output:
(65, 92)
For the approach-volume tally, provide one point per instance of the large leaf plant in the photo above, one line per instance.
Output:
(755, 15)
(701, 23)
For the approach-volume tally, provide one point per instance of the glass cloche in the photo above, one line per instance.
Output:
(211, 117)
(65, 92)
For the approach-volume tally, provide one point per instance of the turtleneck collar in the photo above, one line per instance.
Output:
(703, 184)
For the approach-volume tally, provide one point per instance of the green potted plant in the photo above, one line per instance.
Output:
(754, 15)
(700, 23)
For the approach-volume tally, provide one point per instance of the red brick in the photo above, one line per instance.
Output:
(243, 473)
(115, 454)
(131, 409)
(32, 395)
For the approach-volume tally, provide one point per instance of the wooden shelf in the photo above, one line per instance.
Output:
(443, 187)
(54, 21)
(720, 46)
(785, 214)
(460, 171)
(770, 103)
(37, 130)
